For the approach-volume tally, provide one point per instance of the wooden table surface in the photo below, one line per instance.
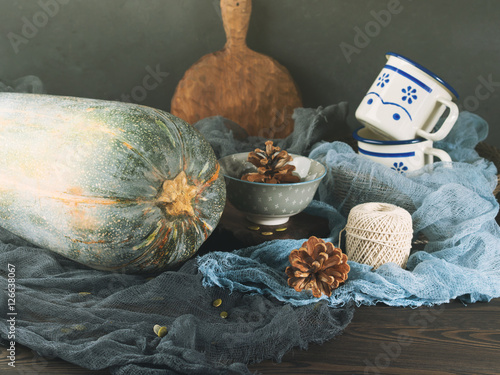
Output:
(447, 339)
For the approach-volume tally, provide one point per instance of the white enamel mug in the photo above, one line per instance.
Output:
(406, 101)
(401, 156)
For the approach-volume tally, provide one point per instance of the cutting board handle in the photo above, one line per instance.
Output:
(236, 17)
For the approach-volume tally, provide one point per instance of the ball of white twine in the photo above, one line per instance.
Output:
(378, 233)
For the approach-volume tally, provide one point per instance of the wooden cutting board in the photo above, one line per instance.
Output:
(247, 87)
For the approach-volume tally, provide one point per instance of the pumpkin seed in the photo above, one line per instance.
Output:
(223, 314)
(253, 227)
(267, 233)
(280, 229)
(160, 330)
(217, 302)
(84, 293)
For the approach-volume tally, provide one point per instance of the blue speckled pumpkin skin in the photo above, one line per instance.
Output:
(85, 178)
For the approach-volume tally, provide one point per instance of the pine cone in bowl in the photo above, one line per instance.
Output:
(272, 166)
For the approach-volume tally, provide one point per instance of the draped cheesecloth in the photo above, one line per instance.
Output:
(453, 209)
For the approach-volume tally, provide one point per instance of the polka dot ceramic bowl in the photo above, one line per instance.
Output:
(270, 204)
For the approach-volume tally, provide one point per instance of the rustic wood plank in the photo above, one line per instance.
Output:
(447, 339)
(444, 340)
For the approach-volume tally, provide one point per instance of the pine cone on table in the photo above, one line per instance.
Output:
(317, 266)
(272, 166)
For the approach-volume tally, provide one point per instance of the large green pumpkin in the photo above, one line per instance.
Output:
(111, 185)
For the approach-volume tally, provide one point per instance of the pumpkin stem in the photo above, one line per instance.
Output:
(175, 196)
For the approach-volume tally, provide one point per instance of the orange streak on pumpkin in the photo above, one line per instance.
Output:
(107, 131)
(197, 222)
(74, 195)
(147, 210)
(205, 232)
(95, 201)
(156, 172)
(89, 242)
(164, 240)
(97, 242)
(158, 244)
(214, 177)
(209, 182)
(206, 228)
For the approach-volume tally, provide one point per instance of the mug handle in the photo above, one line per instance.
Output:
(447, 124)
(441, 154)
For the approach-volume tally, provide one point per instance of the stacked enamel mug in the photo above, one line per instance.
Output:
(399, 114)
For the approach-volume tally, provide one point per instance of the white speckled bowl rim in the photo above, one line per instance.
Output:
(242, 156)
(271, 204)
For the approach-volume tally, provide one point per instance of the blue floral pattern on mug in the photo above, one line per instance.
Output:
(399, 167)
(383, 79)
(409, 94)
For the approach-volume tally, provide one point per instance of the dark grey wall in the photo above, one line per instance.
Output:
(106, 48)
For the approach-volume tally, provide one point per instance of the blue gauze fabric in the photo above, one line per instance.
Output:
(454, 208)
